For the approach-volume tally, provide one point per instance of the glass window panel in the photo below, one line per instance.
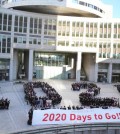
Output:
(8, 45)
(8, 50)
(21, 19)
(108, 55)
(25, 24)
(35, 31)
(3, 50)
(5, 16)
(15, 29)
(24, 40)
(34, 41)
(5, 22)
(15, 39)
(4, 27)
(16, 18)
(9, 28)
(0, 16)
(25, 19)
(39, 31)
(39, 41)
(20, 23)
(20, 29)
(100, 55)
(25, 30)
(0, 27)
(104, 55)
(30, 40)
(16, 23)
(31, 30)
(19, 40)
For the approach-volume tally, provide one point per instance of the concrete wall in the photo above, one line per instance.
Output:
(53, 72)
(15, 64)
(88, 62)
(26, 62)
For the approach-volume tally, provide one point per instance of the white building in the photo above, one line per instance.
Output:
(59, 39)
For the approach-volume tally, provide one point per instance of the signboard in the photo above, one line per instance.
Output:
(59, 116)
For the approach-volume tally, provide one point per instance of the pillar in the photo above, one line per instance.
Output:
(96, 72)
(72, 62)
(109, 75)
(30, 73)
(78, 66)
(11, 67)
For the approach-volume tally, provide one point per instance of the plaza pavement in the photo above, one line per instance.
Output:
(15, 119)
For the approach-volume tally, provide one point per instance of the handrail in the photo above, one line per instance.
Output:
(73, 128)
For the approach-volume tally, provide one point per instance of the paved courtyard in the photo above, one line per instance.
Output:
(15, 119)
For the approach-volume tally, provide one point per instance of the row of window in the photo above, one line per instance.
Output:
(77, 44)
(49, 59)
(106, 66)
(20, 25)
(50, 42)
(35, 26)
(91, 44)
(22, 40)
(50, 27)
(105, 45)
(107, 55)
(91, 29)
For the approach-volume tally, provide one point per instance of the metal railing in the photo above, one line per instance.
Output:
(65, 129)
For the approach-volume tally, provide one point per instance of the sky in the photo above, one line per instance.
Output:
(116, 7)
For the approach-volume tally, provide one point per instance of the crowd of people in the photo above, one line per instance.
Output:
(51, 99)
(89, 98)
(79, 85)
(4, 103)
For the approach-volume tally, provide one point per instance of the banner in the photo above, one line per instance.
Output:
(59, 116)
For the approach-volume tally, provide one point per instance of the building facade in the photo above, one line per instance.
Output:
(59, 39)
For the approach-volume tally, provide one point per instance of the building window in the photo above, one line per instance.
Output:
(114, 56)
(100, 55)
(50, 59)
(108, 55)
(61, 43)
(5, 44)
(104, 55)
(118, 55)
(50, 27)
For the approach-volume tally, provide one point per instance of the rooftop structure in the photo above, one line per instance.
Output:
(93, 8)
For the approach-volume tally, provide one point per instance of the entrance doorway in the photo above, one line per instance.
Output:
(115, 78)
(23, 64)
(4, 75)
(4, 69)
(102, 77)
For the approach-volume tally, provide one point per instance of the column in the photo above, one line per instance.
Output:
(72, 62)
(109, 75)
(42, 32)
(96, 72)
(11, 66)
(78, 66)
(30, 68)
